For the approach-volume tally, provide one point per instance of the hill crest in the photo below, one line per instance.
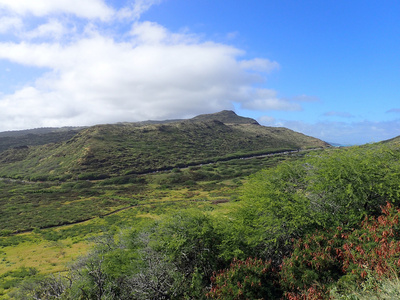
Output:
(108, 150)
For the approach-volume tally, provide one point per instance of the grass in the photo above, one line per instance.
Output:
(37, 254)
(26, 206)
(372, 289)
(35, 206)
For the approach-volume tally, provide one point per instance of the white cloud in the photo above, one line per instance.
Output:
(156, 75)
(53, 29)
(265, 99)
(90, 9)
(267, 120)
(136, 9)
(96, 75)
(10, 23)
(153, 33)
(259, 65)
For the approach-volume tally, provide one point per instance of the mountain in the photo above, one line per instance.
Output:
(225, 116)
(47, 135)
(132, 148)
(35, 137)
(395, 141)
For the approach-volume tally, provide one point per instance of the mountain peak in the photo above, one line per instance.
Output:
(225, 116)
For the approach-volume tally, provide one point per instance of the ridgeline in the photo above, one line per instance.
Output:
(104, 151)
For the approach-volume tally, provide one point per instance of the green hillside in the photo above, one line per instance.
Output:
(323, 224)
(394, 141)
(35, 137)
(104, 151)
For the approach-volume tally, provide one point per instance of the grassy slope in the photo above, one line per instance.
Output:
(394, 141)
(117, 150)
(25, 206)
(34, 205)
(35, 137)
(111, 150)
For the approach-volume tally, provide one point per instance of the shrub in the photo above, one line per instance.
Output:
(375, 246)
(344, 258)
(249, 279)
(334, 188)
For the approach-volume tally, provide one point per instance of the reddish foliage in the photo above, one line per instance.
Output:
(324, 257)
(317, 261)
(312, 293)
(375, 246)
(249, 279)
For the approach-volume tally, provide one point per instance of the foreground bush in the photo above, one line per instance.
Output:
(344, 258)
(305, 216)
(338, 187)
(249, 279)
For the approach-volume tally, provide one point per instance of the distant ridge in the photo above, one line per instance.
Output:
(47, 135)
(36, 137)
(395, 140)
(108, 150)
(226, 117)
(41, 131)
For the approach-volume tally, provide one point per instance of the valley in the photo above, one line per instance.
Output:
(47, 225)
(145, 210)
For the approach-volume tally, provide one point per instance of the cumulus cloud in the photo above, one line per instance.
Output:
(10, 23)
(51, 30)
(90, 9)
(145, 72)
(266, 99)
(259, 65)
(267, 120)
(136, 9)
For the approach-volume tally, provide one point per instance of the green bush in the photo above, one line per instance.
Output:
(5, 232)
(344, 259)
(249, 279)
(338, 187)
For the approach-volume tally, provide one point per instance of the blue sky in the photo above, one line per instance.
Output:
(329, 69)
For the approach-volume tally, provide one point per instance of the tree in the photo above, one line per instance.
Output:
(191, 241)
(249, 279)
(337, 187)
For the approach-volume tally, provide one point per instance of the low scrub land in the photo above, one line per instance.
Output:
(315, 224)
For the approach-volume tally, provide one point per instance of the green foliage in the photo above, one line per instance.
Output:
(49, 288)
(273, 208)
(345, 259)
(104, 151)
(308, 211)
(351, 183)
(40, 136)
(249, 279)
(314, 259)
(372, 289)
(173, 257)
(5, 232)
(333, 188)
(13, 278)
(191, 240)
(56, 204)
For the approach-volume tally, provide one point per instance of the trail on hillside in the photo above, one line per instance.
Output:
(251, 156)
